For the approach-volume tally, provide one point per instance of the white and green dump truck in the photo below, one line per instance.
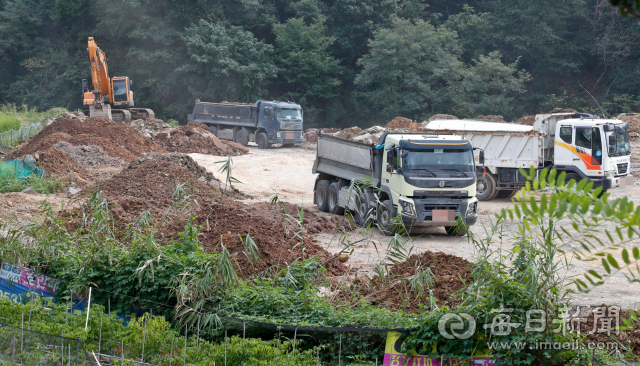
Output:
(415, 179)
(579, 144)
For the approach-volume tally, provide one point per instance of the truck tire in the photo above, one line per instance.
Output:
(385, 215)
(213, 130)
(263, 141)
(363, 211)
(334, 199)
(241, 137)
(322, 195)
(506, 193)
(486, 187)
(456, 230)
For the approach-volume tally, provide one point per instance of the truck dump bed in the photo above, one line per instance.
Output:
(505, 145)
(236, 113)
(345, 158)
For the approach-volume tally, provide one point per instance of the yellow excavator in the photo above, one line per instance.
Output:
(110, 98)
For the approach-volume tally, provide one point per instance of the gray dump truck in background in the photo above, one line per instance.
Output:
(423, 179)
(264, 122)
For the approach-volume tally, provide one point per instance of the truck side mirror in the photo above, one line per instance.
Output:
(404, 154)
(391, 155)
(481, 157)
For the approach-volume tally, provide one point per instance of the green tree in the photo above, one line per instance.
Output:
(310, 72)
(489, 87)
(236, 66)
(628, 7)
(410, 69)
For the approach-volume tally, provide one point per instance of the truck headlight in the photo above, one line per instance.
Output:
(472, 210)
(407, 208)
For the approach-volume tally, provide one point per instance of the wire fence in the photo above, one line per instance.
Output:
(13, 137)
(19, 346)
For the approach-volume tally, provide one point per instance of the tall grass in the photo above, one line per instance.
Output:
(10, 183)
(9, 123)
(29, 115)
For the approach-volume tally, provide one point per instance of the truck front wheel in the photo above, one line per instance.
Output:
(363, 211)
(263, 141)
(385, 217)
(322, 196)
(486, 187)
(242, 137)
(334, 199)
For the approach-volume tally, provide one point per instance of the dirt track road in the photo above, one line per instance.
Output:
(288, 171)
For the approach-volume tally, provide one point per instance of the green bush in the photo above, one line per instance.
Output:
(30, 115)
(9, 123)
(10, 183)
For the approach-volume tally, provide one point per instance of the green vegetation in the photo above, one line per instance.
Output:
(503, 57)
(10, 183)
(162, 344)
(9, 123)
(28, 115)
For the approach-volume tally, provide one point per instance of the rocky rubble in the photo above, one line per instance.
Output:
(87, 155)
(67, 115)
(150, 126)
(196, 138)
(634, 123)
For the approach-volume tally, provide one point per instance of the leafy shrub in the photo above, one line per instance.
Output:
(172, 122)
(30, 115)
(9, 123)
(10, 183)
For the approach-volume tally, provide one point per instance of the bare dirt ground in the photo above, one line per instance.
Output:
(287, 171)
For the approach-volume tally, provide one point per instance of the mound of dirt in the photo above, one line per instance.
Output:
(87, 155)
(526, 120)
(311, 135)
(196, 138)
(182, 160)
(401, 122)
(117, 139)
(394, 292)
(489, 118)
(634, 123)
(440, 116)
(73, 115)
(58, 165)
(349, 133)
(150, 184)
(149, 127)
(563, 110)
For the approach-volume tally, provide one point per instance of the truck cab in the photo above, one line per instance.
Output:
(593, 148)
(430, 180)
(281, 121)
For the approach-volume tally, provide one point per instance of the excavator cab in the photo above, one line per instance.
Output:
(122, 95)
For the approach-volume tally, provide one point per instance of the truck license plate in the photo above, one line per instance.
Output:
(288, 136)
(443, 215)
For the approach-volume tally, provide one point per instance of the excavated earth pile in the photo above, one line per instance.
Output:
(196, 138)
(184, 161)
(87, 155)
(401, 123)
(152, 184)
(149, 127)
(117, 139)
(634, 123)
(526, 120)
(57, 164)
(451, 274)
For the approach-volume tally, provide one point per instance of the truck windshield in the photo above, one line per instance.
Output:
(290, 114)
(120, 91)
(439, 159)
(622, 147)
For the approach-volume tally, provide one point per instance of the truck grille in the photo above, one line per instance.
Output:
(622, 168)
(440, 207)
(291, 126)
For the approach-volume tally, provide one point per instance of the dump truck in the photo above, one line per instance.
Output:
(407, 179)
(579, 144)
(264, 122)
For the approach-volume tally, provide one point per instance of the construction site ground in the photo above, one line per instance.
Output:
(287, 173)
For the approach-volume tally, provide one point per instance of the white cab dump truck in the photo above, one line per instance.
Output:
(415, 179)
(582, 145)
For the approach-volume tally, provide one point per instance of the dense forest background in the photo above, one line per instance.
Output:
(347, 62)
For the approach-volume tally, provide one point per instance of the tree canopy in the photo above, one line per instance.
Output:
(346, 62)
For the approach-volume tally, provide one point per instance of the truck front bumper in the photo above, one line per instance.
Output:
(612, 182)
(464, 208)
(286, 137)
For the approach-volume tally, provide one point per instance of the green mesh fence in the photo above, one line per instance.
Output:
(21, 168)
(13, 137)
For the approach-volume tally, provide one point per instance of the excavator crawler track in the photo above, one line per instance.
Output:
(141, 113)
(121, 115)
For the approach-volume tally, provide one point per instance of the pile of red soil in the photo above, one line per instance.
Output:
(314, 222)
(117, 139)
(196, 138)
(526, 120)
(149, 185)
(152, 183)
(58, 165)
(401, 122)
(394, 292)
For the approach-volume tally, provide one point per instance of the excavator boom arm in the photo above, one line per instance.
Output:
(99, 71)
